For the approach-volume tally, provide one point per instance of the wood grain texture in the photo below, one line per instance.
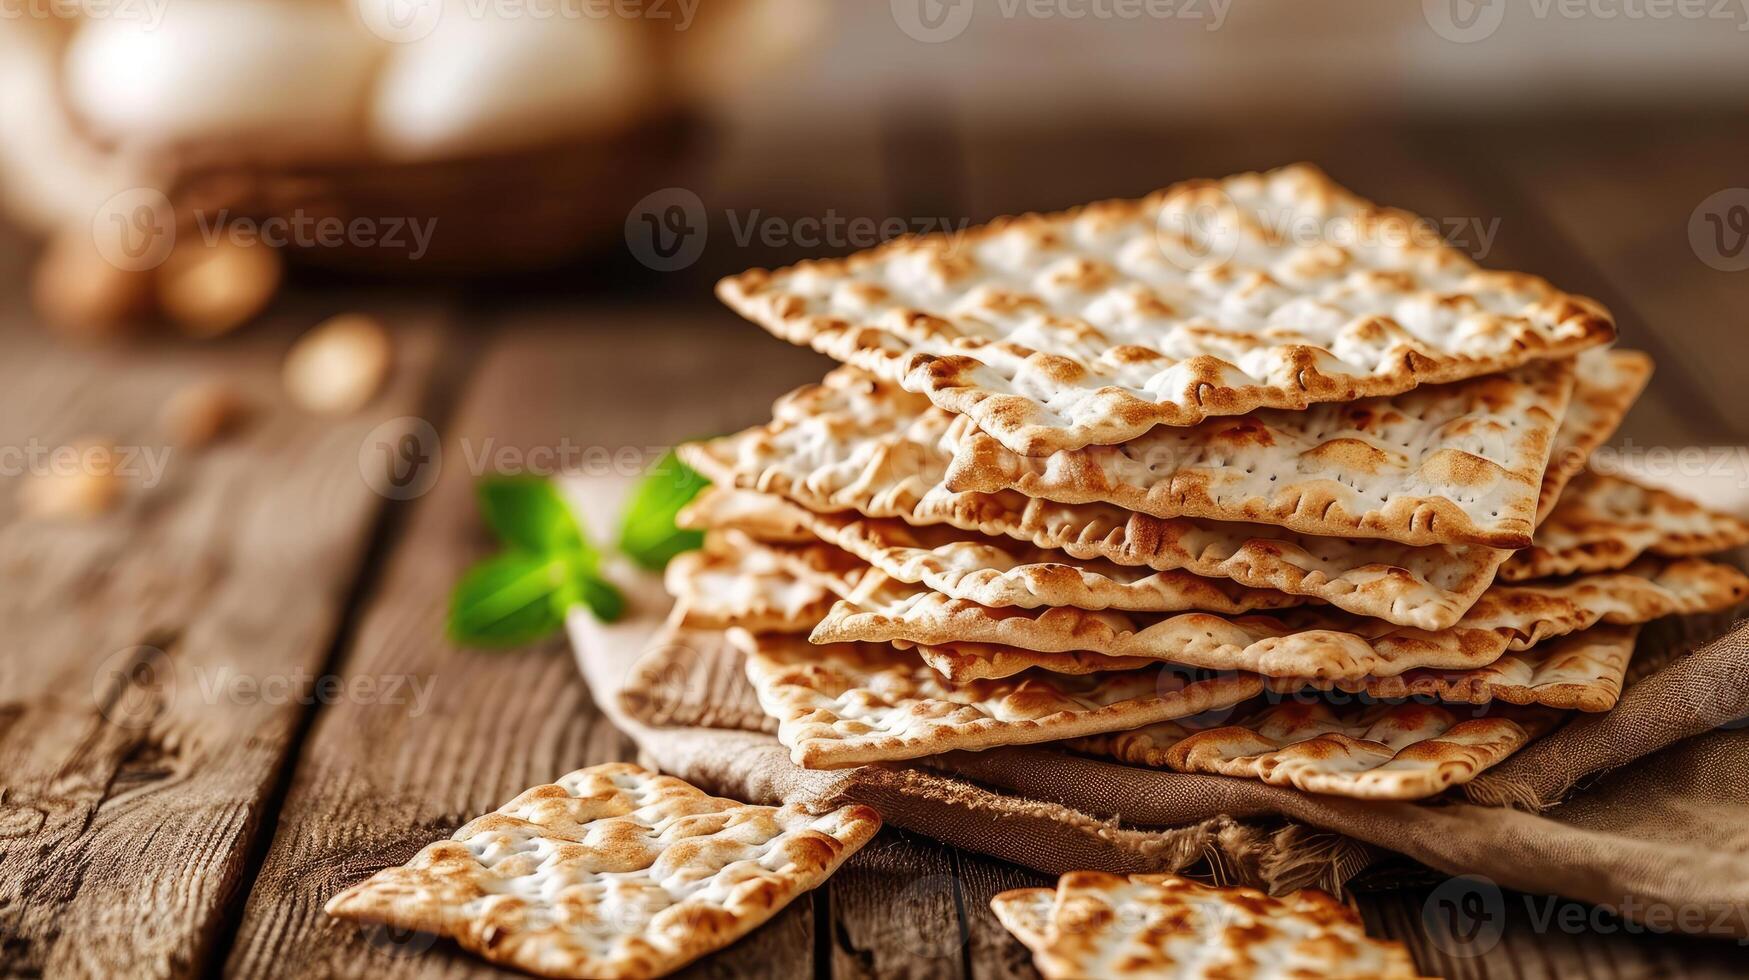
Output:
(897, 911)
(161, 657)
(375, 783)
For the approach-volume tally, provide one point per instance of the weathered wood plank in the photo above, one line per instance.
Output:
(374, 784)
(1534, 937)
(161, 658)
(992, 951)
(896, 911)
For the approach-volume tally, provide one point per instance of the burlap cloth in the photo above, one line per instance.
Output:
(1646, 806)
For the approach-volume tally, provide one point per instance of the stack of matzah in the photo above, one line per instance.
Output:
(1249, 477)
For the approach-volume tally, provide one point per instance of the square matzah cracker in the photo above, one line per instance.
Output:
(1385, 751)
(855, 703)
(1605, 522)
(612, 871)
(992, 571)
(1583, 671)
(1165, 927)
(1445, 464)
(720, 587)
(1609, 382)
(1314, 644)
(854, 444)
(1092, 326)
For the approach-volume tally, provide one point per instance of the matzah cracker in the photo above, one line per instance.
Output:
(1445, 464)
(717, 589)
(992, 571)
(1584, 672)
(1609, 382)
(854, 444)
(854, 703)
(1406, 751)
(1312, 643)
(1605, 522)
(1165, 927)
(611, 871)
(1092, 326)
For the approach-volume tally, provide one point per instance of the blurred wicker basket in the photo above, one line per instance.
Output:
(527, 209)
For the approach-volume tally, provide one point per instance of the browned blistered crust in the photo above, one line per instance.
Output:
(940, 314)
(1447, 464)
(1381, 751)
(612, 871)
(1094, 924)
(1605, 522)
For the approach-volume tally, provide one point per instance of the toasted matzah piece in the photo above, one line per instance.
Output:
(1460, 463)
(854, 703)
(854, 444)
(1609, 382)
(992, 571)
(1387, 751)
(1583, 671)
(1094, 325)
(1164, 927)
(612, 871)
(1605, 522)
(717, 588)
(1312, 643)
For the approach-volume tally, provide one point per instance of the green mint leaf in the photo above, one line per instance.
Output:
(584, 587)
(602, 597)
(507, 599)
(647, 532)
(529, 514)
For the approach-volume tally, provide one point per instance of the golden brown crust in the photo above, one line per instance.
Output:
(1583, 672)
(1053, 331)
(1446, 464)
(1095, 924)
(1312, 645)
(853, 445)
(856, 703)
(1382, 751)
(612, 871)
(1606, 522)
(1609, 383)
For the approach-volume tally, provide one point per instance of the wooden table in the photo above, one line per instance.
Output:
(171, 805)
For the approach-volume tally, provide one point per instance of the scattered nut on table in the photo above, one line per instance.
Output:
(78, 481)
(83, 295)
(201, 413)
(208, 289)
(339, 366)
